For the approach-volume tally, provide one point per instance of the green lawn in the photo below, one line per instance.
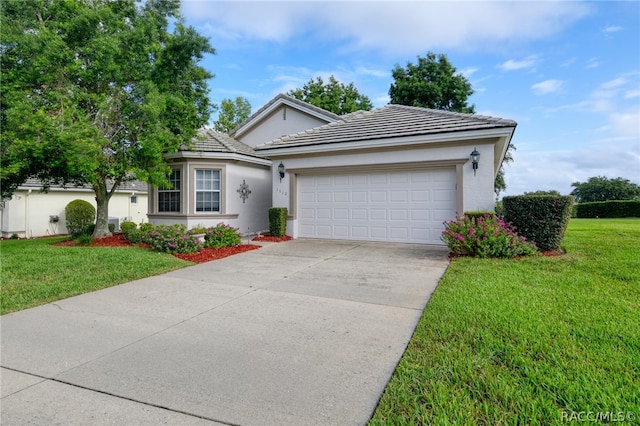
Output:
(528, 341)
(34, 272)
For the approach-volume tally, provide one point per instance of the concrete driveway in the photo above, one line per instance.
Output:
(306, 332)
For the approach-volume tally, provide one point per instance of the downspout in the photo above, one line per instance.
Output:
(26, 214)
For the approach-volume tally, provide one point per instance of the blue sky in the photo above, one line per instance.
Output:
(568, 72)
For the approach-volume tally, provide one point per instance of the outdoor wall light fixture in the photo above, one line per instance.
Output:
(475, 158)
(281, 170)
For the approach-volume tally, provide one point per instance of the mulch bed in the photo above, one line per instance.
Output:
(271, 239)
(205, 255)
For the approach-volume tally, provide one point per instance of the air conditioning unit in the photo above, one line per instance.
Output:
(116, 223)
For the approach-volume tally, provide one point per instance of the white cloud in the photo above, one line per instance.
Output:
(626, 123)
(534, 170)
(547, 86)
(512, 64)
(384, 26)
(632, 94)
(593, 63)
(468, 72)
(613, 29)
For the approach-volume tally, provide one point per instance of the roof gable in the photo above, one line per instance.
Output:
(277, 102)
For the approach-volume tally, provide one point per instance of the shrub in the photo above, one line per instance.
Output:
(485, 236)
(474, 214)
(277, 221)
(84, 240)
(198, 229)
(172, 239)
(147, 227)
(221, 236)
(126, 227)
(543, 219)
(608, 209)
(79, 214)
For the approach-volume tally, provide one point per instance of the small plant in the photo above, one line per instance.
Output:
(14, 236)
(221, 236)
(173, 239)
(485, 236)
(199, 229)
(127, 227)
(146, 227)
(84, 240)
(79, 215)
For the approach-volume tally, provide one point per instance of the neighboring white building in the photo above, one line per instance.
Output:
(33, 213)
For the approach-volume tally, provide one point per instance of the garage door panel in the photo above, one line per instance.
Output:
(408, 206)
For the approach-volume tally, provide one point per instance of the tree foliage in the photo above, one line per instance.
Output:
(332, 96)
(94, 92)
(600, 188)
(433, 82)
(232, 113)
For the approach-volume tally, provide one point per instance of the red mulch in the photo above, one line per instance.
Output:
(272, 239)
(205, 255)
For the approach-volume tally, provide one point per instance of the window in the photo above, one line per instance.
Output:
(169, 197)
(134, 199)
(208, 190)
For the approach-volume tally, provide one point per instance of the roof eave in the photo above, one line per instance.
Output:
(283, 150)
(210, 155)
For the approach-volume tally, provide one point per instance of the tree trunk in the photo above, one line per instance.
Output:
(102, 214)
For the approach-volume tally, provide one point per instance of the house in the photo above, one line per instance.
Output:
(33, 213)
(221, 178)
(392, 174)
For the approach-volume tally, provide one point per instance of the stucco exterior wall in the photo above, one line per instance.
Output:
(474, 192)
(282, 121)
(28, 213)
(250, 216)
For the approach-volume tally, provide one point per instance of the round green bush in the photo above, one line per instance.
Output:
(79, 215)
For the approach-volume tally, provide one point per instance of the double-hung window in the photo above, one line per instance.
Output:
(169, 197)
(208, 191)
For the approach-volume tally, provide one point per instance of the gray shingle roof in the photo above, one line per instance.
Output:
(390, 121)
(290, 99)
(128, 186)
(210, 140)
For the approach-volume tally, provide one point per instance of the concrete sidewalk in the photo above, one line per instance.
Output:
(306, 332)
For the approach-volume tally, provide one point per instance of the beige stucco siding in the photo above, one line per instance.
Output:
(28, 213)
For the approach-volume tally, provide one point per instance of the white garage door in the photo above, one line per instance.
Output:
(407, 206)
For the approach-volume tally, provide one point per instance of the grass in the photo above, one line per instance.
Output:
(34, 272)
(528, 341)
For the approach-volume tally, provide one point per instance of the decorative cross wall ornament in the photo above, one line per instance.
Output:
(244, 191)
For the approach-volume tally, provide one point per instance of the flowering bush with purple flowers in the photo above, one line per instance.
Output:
(221, 236)
(172, 239)
(485, 236)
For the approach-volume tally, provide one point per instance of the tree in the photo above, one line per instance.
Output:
(332, 96)
(232, 113)
(431, 83)
(95, 92)
(600, 188)
(540, 192)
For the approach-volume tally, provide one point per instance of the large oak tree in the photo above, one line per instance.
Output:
(232, 113)
(339, 98)
(433, 82)
(95, 92)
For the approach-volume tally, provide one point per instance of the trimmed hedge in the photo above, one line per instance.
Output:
(278, 221)
(474, 214)
(608, 209)
(79, 215)
(542, 219)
